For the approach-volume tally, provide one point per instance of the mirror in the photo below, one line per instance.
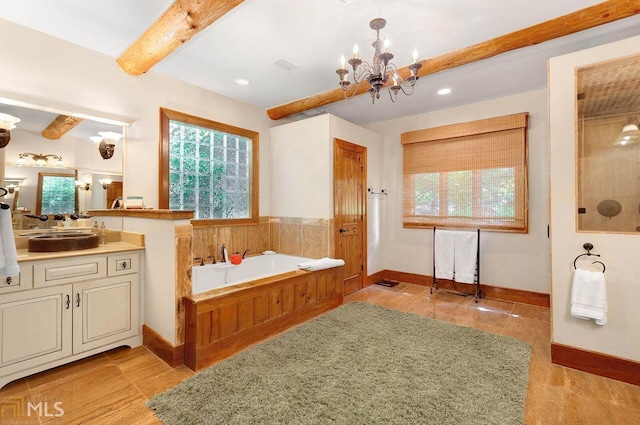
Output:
(30, 157)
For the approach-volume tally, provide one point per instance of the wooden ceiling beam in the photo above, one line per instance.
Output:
(60, 126)
(599, 14)
(183, 20)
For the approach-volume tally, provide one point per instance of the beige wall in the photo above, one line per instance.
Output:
(519, 261)
(302, 180)
(619, 337)
(41, 69)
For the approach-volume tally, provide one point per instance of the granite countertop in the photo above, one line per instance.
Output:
(118, 242)
(24, 255)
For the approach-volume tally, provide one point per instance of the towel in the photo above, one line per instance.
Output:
(465, 256)
(444, 255)
(321, 264)
(8, 255)
(589, 296)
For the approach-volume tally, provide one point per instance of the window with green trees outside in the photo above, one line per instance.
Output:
(210, 168)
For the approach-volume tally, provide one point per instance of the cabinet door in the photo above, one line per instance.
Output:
(105, 311)
(34, 327)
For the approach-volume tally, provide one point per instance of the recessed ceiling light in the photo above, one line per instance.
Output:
(242, 81)
(444, 91)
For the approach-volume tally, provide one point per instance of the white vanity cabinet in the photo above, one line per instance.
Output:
(73, 308)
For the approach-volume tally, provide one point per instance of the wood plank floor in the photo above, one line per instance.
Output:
(113, 387)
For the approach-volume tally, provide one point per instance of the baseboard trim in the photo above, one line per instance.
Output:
(495, 292)
(596, 363)
(171, 355)
(375, 278)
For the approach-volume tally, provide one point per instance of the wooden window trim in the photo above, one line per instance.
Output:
(167, 115)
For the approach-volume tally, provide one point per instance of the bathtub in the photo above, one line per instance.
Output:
(212, 276)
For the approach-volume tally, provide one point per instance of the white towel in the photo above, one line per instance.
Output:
(465, 256)
(321, 264)
(589, 296)
(8, 255)
(444, 255)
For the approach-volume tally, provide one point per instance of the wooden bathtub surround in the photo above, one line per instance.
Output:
(599, 14)
(184, 249)
(221, 322)
(208, 240)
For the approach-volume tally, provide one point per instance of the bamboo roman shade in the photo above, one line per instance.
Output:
(472, 174)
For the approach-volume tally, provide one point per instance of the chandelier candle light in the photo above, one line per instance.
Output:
(380, 72)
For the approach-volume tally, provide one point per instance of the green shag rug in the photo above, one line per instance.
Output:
(360, 364)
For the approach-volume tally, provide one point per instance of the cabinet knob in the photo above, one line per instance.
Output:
(9, 280)
(124, 264)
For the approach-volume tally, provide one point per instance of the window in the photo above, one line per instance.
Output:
(208, 167)
(472, 174)
(56, 194)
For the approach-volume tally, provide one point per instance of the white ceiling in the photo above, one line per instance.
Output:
(314, 33)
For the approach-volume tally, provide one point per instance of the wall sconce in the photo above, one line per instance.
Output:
(7, 123)
(630, 133)
(83, 185)
(11, 188)
(105, 183)
(107, 144)
(40, 159)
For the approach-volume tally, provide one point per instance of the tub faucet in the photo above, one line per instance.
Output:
(245, 252)
(214, 258)
(224, 254)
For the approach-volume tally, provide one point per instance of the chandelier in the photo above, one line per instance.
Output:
(380, 72)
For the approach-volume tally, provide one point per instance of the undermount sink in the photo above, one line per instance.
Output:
(57, 242)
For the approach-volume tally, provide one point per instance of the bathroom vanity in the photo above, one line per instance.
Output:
(65, 306)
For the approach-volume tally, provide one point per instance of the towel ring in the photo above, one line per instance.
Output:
(603, 266)
(3, 190)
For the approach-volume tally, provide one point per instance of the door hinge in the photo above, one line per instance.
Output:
(361, 167)
(362, 267)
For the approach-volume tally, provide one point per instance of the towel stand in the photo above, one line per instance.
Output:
(588, 246)
(476, 278)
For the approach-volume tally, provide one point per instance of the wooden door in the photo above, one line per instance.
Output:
(349, 177)
(113, 191)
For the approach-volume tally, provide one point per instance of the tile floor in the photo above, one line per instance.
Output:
(113, 387)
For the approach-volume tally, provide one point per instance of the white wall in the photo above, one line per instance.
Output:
(619, 337)
(302, 172)
(40, 67)
(519, 261)
(302, 169)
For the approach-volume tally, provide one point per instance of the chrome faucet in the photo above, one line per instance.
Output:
(224, 254)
